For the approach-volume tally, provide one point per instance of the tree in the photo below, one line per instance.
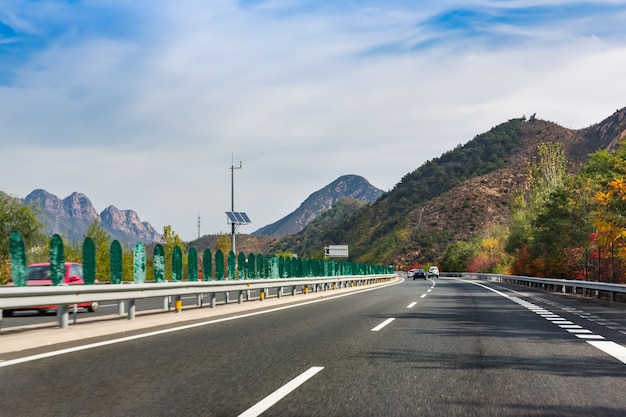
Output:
(561, 226)
(17, 216)
(547, 174)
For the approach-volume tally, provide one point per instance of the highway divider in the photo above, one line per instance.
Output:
(64, 296)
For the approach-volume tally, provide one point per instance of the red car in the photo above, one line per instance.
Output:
(39, 274)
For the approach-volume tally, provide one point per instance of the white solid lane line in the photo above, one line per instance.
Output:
(383, 324)
(612, 348)
(281, 393)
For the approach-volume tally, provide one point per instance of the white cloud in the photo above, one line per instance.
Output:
(148, 118)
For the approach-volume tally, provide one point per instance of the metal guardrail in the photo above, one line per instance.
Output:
(67, 295)
(558, 285)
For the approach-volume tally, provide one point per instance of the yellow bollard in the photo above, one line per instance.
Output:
(262, 295)
(306, 289)
(179, 304)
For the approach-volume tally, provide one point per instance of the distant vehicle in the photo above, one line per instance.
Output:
(39, 274)
(419, 273)
(433, 271)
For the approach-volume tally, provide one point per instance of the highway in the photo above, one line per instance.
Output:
(444, 347)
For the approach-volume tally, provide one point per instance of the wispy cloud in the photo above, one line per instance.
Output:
(163, 93)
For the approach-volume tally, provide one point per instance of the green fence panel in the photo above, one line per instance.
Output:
(232, 269)
(242, 269)
(281, 267)
(192, 265)
(159, 263)
(17, 255)
(219, 264)
(177, 264)
(275, 272)
(139, 263)
(260, 266)
(267, 266)
(251, 266)
(207, 265)
(89, 261)
(115, 261)
(57, 260)
(288, 268)
(296, 267)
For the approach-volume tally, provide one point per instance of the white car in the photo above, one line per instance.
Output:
(433, 271)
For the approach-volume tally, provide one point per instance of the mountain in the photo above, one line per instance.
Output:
(464, 192)
(73, 215)
(348, 186)
(316, 232)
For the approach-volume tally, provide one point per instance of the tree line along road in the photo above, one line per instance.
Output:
(443, 347)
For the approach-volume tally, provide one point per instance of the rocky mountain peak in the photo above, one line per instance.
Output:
(347, 186)
(73, 215)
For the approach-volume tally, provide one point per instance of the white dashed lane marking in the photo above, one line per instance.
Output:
(596, 340)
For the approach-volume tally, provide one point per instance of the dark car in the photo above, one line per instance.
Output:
(419, 273)
(39, 274)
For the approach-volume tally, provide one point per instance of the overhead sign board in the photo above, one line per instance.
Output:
(336, 251)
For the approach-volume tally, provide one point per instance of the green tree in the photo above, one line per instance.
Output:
(459, 255)
(561, 226)
(547, 174)
(17, 216)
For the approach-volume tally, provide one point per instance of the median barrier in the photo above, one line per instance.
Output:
(67, 295)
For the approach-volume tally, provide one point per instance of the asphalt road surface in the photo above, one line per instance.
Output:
(443, 347)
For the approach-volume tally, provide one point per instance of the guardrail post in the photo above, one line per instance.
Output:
(240, 298)
(199, 299)
(131, 309)
(62, 316)
(212, 299)
(294, 291)
(279, 293)
(226, 297)
(166, 303)
(120, 308)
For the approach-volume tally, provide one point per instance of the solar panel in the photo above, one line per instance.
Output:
(238, 217)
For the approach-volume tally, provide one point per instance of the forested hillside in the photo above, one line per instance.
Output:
(469, 191)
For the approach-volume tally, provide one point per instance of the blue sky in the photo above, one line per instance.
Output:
(145, 105)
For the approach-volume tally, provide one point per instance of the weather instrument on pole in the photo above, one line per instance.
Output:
(235, 218)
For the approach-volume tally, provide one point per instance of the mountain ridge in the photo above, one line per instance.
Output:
(347, 186)
(72, 216)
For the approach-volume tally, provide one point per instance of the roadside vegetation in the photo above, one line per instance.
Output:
(565, 226)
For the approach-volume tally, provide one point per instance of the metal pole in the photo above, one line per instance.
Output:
(232, 201)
